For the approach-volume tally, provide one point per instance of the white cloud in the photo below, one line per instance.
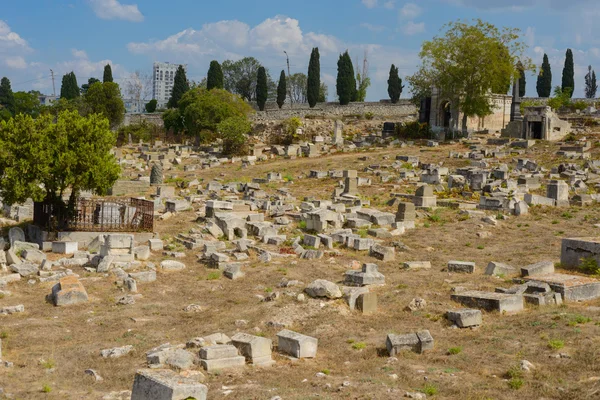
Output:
(410, 11)
(232, 40)
(373, 28)
(413, 28)
(16, 62)
(370, 3)
(518, 4)
(79, 53)
(112, 9)
(389, 4)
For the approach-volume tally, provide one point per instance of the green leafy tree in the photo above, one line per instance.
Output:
(313, 83)
(105, 99)
(107, 74)
(240, 77)
(233, 131)
(201, 110)
(591, 87)
(465, 63)
(323, 93)
(281, 89)
(85, 87)
(522, 79)
(394, 84)
(346, 81)
(43, 158)
(69, 89)
(7, 97)
(261, 88)
(297, 85)
(180, 87)
(27, 103)
(363, 84)
(214, 78)
(544, 80)
(568, 75)
(151, 106)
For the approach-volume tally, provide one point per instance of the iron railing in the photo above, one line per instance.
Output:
(97, 215)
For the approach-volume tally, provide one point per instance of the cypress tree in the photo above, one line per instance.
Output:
(591, 87)
(346, 81)
(69, 89)
(7, 97)
(180, 86)
(544, 80)
(313, 83)
(522, 79)
(568, 75)
(281, 90)
(261, 88)
(214, 78)
(107, 74)
(394, 84)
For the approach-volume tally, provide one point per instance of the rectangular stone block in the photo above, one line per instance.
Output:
(465, 267)
(64, 247)
(156, 384)
(576, 250)
(252, 347)
(69, 291)
(223, 363)
(367, 303)
(540, 268)
(490, 301)
(417, 265)
(397, 343)
(571, 287)
(297, 345)
(465, 318)
(218, 351)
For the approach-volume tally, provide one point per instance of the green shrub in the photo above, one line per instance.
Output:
(454, 350)
(413, 130)
(516, 383)
(429, 389)
(359, 345)
(369, 115)
(214, 275)
(46, 389)
(589, 266)
(556, 344)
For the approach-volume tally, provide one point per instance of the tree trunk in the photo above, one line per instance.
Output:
(464, 124)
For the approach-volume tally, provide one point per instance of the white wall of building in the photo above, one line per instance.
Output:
(163, 77)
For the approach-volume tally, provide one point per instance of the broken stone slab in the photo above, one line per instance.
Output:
(490, 301)
(116, 352)
(171, 265)
(12, 309)
(156, 384)
(256, 349)
(15, 234)
(141, 253)
(383, 253)
(540, 268)
(33, 256)
(570, 287)
(296, 344)
(155, 244)
(497, 268)
(417, 342)
(172, 356)
(69, 291)
(233, 271)
(351, 295)
(465, 318)
(323, 288)
(144, 276)
(410, 265)
(25, 269)
(465, 267)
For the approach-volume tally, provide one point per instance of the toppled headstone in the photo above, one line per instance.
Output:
(256, 349)
(323, 288)
(220, 356)
(465, 318)
(466, 267)
(296, 344)
(369, 275)
(69, 291)
(156, 384)
(490, 301)
(540, 268)
(497, 268)
(417, 342)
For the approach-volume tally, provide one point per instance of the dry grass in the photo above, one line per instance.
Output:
(71, 338)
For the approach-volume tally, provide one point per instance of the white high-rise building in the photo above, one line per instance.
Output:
(163, 76)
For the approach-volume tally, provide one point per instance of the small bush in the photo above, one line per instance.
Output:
(359, 345)
(369, 115)
(302, 224)
(589, 266)
(454, 350)
(326, 371)
(413, 130)
(429, 389)
(556, 344)
(516, 383)
(46, 389)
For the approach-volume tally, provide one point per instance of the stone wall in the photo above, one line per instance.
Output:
(393, 112)
(154, 118)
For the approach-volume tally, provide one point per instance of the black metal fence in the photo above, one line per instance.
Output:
(97, 215)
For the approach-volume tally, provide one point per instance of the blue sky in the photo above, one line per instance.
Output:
(84, 35)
